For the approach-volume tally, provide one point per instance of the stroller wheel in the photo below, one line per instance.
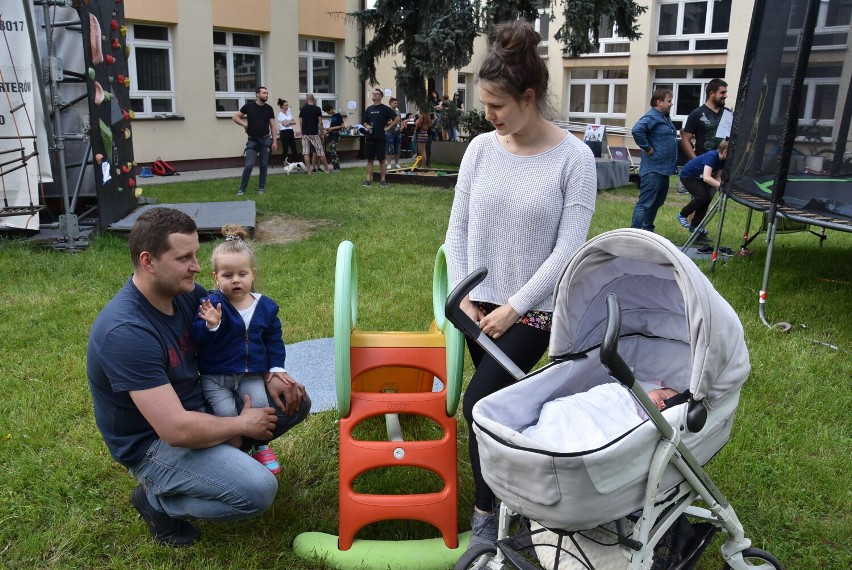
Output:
(476, 557)
(755, 558)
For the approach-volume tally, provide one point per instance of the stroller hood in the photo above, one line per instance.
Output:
(662, 294)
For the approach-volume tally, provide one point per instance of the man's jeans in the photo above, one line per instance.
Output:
(653, 189)
(217, 483)
(255, 147)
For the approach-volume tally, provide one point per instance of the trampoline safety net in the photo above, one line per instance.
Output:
(790, 138)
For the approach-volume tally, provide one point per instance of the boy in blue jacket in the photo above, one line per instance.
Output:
(700, 177)
(239, 337)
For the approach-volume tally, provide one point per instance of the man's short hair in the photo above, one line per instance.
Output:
(259, 87)
(310, 97)
(392, 99)
(379, 90)
(151, 231)
(660, 94)
(715, 85)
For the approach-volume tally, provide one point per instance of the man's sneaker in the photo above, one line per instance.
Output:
(267, 457)
(483, 528)
(240, 192)
(165, 529)
(384, 183)
(261, 191)
(366, 184)
(684, 222)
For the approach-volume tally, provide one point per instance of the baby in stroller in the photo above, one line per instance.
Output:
(589, 420)
(626, 296)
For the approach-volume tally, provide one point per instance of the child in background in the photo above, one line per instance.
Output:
(332, 134)
(239, 337)
(701, 178)
(421, 130)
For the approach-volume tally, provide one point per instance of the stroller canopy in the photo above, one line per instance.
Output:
(662, 294)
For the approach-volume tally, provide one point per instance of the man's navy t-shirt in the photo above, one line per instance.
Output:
(134, 346)
(378, 117)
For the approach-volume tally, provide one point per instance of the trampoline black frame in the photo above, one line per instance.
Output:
(775, 206)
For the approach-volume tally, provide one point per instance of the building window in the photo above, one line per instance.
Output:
(610, 42)
(832, 27)
(461, 89)
(688, 87)
(237, 66)
(693, 25)
(151, 70)
(817, 103)
(318, 70)
(542, 26)
(598, 96)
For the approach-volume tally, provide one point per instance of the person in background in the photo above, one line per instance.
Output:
(698, 134)
(523, 204)
(148, 402)
(422, 128)
(332, 134)
(258, 121)
(286, 133)
(701, 178)
(657, 137)
(394, 136)
(313, 133)
(378, 120)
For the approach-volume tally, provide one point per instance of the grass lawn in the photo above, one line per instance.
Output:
(64, 501)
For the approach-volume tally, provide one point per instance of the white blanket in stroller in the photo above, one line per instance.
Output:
(588, 420)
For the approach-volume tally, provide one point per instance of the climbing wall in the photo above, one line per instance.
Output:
(106, 52)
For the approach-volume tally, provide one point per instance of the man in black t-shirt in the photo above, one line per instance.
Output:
(698, 134)
(258, 121)
(313, 133)
(379, 119)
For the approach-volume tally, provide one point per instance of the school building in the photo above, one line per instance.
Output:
(193, 64)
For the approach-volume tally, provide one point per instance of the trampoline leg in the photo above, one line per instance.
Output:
(770, 243)
(723, 204)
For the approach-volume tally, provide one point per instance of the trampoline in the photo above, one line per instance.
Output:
(789, 147)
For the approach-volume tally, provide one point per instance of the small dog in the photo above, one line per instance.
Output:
(294, 167)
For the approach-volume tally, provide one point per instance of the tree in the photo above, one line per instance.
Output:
(435, 36)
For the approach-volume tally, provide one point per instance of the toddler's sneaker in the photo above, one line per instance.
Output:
(684, 222)
(267, 457)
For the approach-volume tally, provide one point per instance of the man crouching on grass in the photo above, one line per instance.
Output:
(148, 402)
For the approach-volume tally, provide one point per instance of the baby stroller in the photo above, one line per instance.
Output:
(629, 300)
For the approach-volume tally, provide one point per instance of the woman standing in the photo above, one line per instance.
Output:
(523, 204)
(285, 132)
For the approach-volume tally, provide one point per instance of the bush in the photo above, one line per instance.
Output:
(474, 123)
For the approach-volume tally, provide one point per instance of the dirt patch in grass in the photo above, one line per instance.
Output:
(280, 228)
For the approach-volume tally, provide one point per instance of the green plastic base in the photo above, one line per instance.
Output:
(428, 554)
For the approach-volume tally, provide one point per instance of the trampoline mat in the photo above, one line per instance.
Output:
(818, 195)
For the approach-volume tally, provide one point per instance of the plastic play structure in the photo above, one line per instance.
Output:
(790, 151)
(381, 373)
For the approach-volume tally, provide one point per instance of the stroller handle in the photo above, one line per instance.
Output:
(609, 347)
(453, 308)
(464, 323)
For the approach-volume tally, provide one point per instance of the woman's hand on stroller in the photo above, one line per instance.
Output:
(499, 320)
(471, 309)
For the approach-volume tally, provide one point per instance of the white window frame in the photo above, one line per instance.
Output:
(614, 39)
(675, 83)
(312, 54)
(586, 116)
(147, 96)
(229, 49)
(691, 38)
(543, 14)
(808, 107)
(823, 28)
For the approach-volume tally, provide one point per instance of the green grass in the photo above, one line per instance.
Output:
(64, 502)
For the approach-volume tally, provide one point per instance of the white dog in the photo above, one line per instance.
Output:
(294, 167)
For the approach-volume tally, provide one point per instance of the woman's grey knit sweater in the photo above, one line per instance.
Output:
(522, 217)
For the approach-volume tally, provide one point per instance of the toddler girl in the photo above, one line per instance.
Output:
(239, 337)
